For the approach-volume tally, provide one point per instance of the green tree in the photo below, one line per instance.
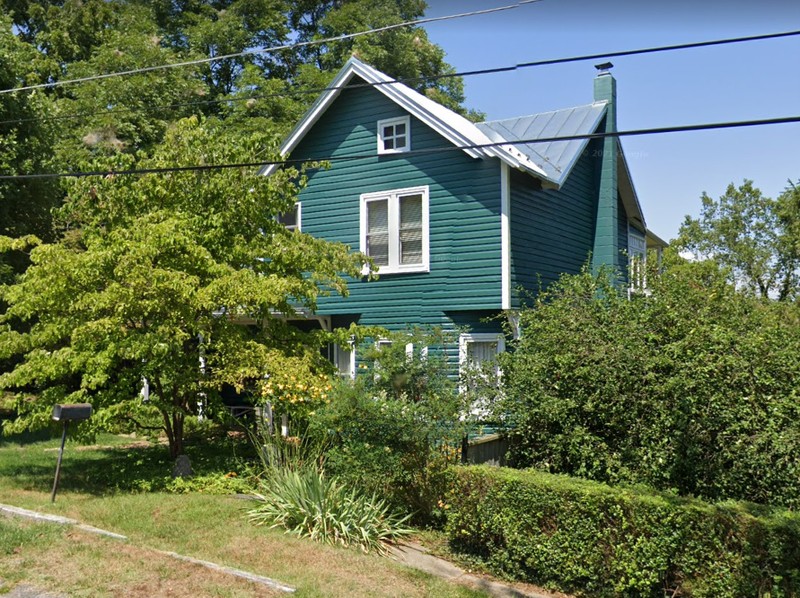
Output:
(691, 387)
(26, 145)
(403, 53)
(178, 278)
(752, 235)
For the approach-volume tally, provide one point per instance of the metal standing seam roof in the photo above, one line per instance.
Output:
(550, 161)
(556, 158)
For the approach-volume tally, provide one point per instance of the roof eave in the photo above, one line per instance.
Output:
(389, 88)
(629, 198)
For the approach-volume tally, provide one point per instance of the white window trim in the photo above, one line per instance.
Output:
(388, 122)
(394, 267)
(637, 262)
(351, 373)
(478, 337)
(298, 226)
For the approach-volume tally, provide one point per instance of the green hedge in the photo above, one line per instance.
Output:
(592, 539)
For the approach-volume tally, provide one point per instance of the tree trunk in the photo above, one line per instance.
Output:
(176, 446)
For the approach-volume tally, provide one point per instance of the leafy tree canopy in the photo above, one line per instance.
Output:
(155, 275)
(753, 235)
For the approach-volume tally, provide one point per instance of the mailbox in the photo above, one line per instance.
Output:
(71, 413)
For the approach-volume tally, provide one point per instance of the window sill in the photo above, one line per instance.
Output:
(384, 152)
(412, 269)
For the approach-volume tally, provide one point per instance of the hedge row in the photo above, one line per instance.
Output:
(592, 539)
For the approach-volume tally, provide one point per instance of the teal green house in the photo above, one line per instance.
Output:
(463, 219)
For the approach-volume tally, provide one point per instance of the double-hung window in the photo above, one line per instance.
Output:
(394, 229)
(479, 370)
(344, 357)
(394, 135)
(476, 350)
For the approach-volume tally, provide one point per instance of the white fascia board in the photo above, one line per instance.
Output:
(313, 115)
(505, 236)
(444, 129)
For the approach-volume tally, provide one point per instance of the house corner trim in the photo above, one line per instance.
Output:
(505, 235)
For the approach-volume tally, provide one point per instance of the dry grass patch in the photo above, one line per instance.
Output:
(80, 564)
(207, 527)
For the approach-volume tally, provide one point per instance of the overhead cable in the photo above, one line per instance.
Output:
(435, 150)
(256, 51)
(486, 71)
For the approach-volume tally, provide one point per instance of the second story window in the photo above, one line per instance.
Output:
(394, 135)
(394, 229)
(291, 220)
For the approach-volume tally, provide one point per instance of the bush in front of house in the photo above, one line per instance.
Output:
(593, 539)
(691, 387)
(397, 428)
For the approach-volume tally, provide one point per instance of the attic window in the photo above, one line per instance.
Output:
(394, 135)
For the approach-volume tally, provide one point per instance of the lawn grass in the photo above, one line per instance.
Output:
(111, 486)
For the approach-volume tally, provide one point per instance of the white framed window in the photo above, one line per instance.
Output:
(637, 261)
(291, 220)
(478, 348)
(344, 358)
(476, 353)
(394, 135)
(394, 229)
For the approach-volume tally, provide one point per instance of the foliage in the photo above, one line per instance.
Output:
(153, 279)
(308, 503)
(227, 483)
(64, 127)
(689, 387)
(299, 496)
(397, 428)
(596, 540)
(405, 53)
(753, 235)
(26, 144)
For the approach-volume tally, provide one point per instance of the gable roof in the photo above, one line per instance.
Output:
(453, 127)
(551, 161)
(556, 158)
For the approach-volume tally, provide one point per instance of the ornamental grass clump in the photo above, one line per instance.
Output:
(308, 504)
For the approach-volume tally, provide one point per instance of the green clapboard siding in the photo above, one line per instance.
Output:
(552, 232)
(465, 271)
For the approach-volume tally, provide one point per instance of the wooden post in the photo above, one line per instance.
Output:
(58, 465)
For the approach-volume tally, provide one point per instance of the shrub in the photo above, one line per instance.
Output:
(396, 430)
(307, 503)
(692, 387)
(593, 539)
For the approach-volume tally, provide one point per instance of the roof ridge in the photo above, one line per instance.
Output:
(500, 120)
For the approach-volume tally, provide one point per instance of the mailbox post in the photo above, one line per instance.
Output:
(66, 414)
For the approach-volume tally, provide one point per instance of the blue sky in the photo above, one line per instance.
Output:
(735, 82)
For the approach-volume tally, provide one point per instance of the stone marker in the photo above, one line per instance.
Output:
(182, 468)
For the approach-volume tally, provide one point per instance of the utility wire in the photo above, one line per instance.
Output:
(208, 167)
(487, 71)
(255, 51)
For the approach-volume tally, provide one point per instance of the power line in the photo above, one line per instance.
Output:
(589, 136)
(256, 51)
(487, 71)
